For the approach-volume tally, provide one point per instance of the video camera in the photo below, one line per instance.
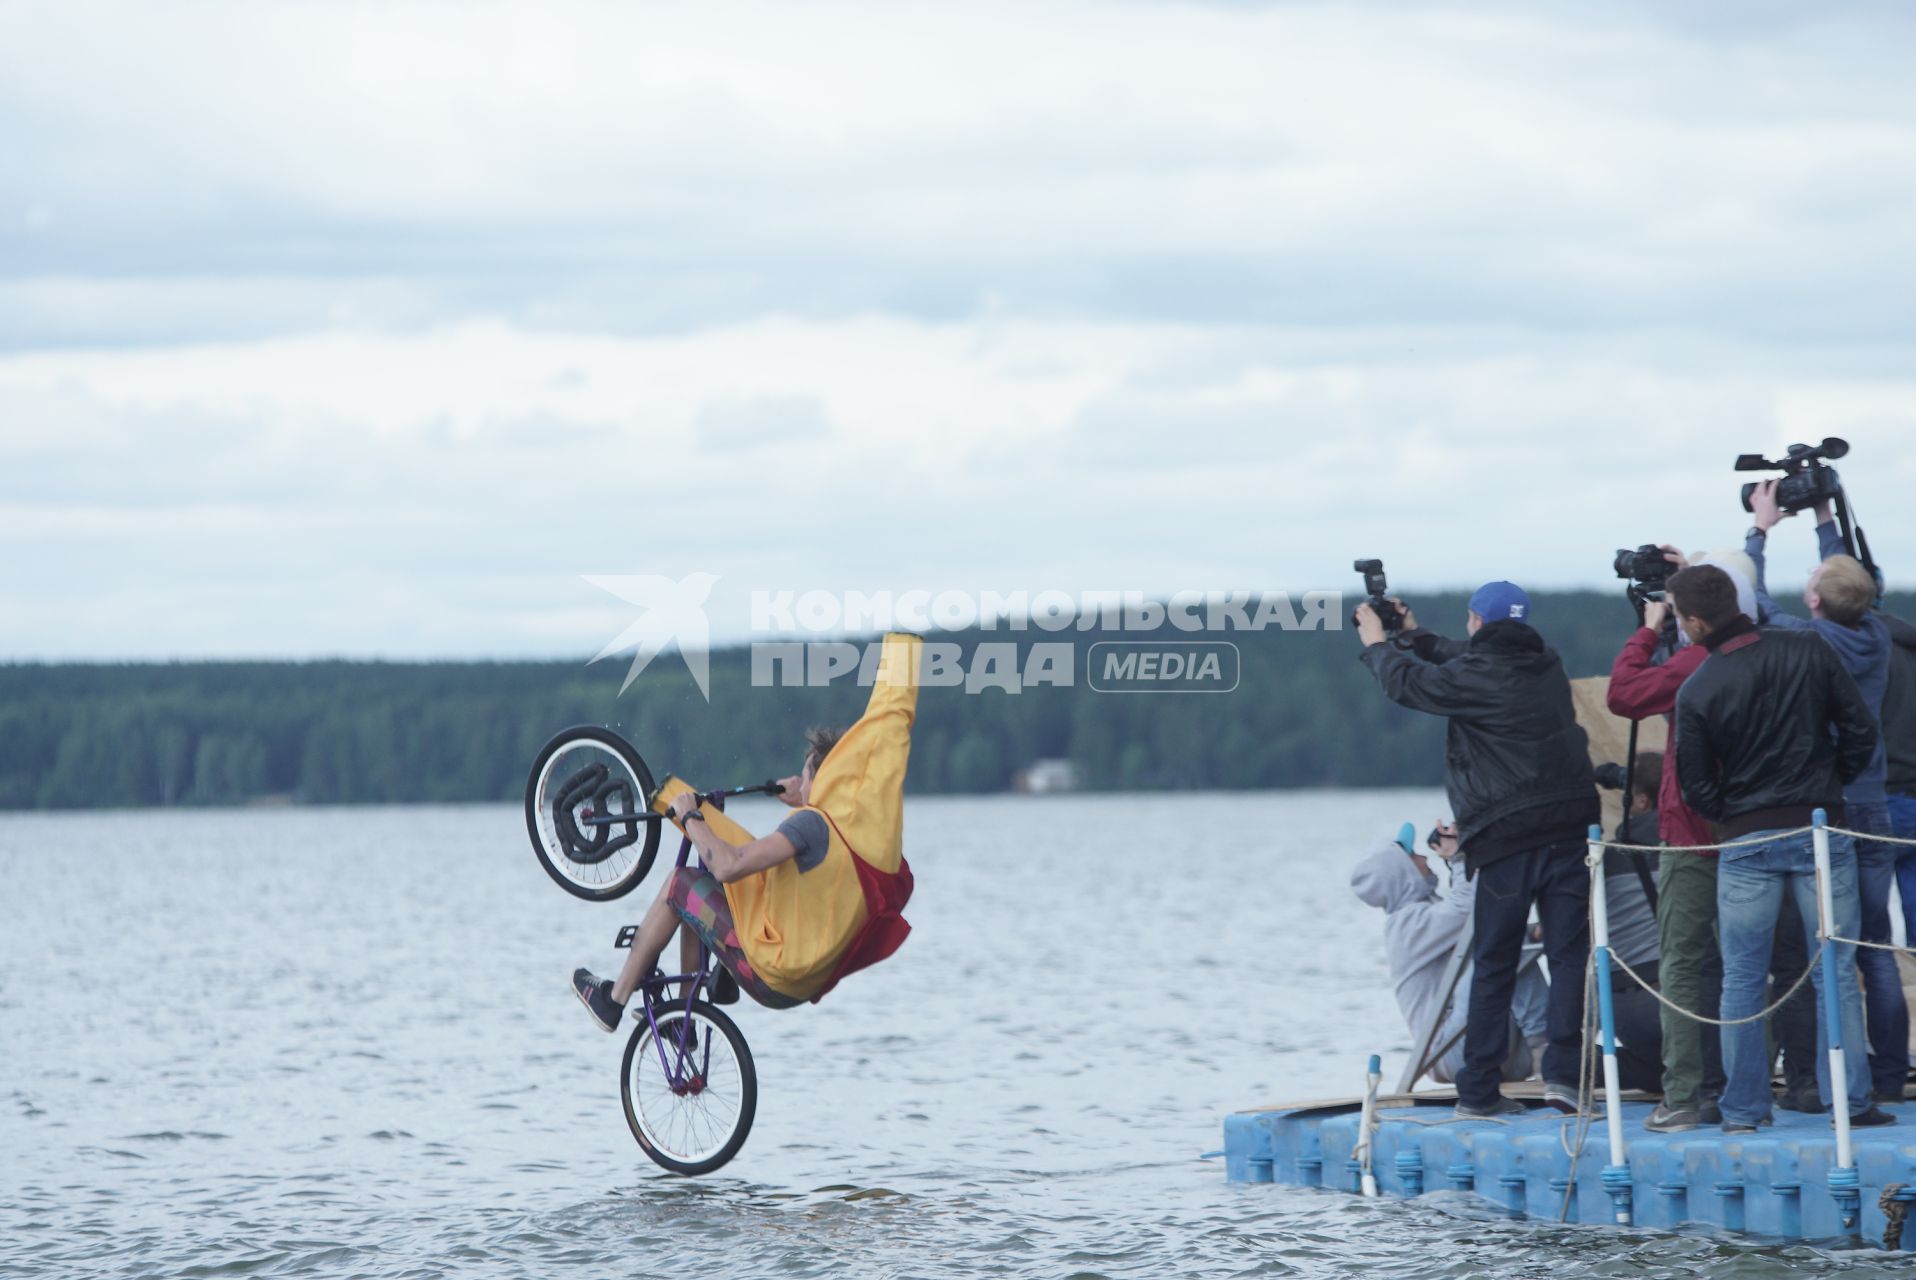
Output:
(1375, 587)
(1809, 480)
(1806, 479)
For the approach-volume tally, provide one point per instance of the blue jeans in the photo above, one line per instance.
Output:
(1882, 983)
(1902, 824)
(1752, 881)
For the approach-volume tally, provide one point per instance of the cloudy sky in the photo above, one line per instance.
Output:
(368, 329)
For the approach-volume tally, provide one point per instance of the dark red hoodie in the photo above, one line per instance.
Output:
(1639, 691)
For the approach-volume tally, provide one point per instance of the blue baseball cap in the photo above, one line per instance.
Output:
(1407, 837)
(1496, 601)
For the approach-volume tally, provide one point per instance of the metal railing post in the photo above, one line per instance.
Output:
(1844, 1184)
(1616, 1176)
(1367, 1127)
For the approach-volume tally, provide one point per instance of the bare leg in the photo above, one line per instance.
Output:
(688, 950)
(647, 946)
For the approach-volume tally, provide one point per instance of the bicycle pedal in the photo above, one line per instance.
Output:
(626, 935)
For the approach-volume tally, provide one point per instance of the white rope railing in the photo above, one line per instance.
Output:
(1844, 1180)
(1694, 1016)
(1619, 846)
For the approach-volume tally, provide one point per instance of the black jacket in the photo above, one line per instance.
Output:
(1754, 744)
(1899, 707)
(1516, 761)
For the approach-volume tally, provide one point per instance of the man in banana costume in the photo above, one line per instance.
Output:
(789, 914)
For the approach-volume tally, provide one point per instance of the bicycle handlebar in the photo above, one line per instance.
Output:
(772, 788)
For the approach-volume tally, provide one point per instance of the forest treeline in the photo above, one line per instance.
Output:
(1305, 714)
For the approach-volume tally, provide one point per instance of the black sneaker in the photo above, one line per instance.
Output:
(596, 995)
(1500, 1108)
(1709, 1112)
(1734, 1127)
(1803, 1099)
(724, 987)
(1870, 1119)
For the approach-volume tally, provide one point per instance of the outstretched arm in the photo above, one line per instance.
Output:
(728, 861)
(1420, 686)
(1763, 504)
(1639, 690)
(1829, 539)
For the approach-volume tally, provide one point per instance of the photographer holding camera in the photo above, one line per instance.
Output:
(1899, 729)
(1840, 596)
(1421, 929)
(1691, 973)
(1768, 730)
(1518, 773)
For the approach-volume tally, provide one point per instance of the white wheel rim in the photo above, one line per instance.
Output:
(592, 875)
(694, 1127)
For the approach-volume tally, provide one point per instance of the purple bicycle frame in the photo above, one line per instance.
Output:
(692, 985)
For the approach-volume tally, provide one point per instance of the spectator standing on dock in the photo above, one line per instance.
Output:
(1634, 936)
(1899, 733)
(1769, 729)
(1691, 970)
(1840, 596)
(1422, 927)
(1517, 768)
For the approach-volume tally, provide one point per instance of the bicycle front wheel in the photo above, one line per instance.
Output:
(690, 1089)
(587, 800)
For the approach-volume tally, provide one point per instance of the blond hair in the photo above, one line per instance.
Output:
(1846, 590)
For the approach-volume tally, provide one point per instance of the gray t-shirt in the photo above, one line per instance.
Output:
(806, 830)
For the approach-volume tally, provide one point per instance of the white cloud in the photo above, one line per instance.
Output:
(368, 327)
(1380, 162)
(441, 492)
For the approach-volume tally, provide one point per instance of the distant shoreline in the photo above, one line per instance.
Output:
(1302, 714)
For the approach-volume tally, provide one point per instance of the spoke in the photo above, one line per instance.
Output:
(688, 1127)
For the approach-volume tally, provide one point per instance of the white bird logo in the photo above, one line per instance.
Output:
(671, 613)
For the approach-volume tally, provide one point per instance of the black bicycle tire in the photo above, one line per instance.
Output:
(748, 1078)
(605, 738)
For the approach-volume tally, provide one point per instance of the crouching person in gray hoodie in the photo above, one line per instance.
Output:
(1421, 929)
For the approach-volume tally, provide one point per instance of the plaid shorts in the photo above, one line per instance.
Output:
(700, 901)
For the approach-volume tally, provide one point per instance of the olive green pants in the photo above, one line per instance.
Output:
(1691, 975)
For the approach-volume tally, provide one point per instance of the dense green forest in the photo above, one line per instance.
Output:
(1305, 713)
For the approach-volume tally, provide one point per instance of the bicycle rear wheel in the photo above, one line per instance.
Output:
(587, 802)
(691, 1090)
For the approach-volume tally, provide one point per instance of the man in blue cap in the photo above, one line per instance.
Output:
(1518, 772)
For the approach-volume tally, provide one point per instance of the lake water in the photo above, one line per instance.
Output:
(339, 1043)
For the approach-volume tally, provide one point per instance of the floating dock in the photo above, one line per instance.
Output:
(1775, 1183)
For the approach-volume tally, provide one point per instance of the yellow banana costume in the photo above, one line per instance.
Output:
(803, 930)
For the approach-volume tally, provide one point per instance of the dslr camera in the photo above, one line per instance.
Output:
(1807, 479)
(1646, 570)
(1375, 588)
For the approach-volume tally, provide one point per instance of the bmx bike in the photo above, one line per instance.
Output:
(687, 1080)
